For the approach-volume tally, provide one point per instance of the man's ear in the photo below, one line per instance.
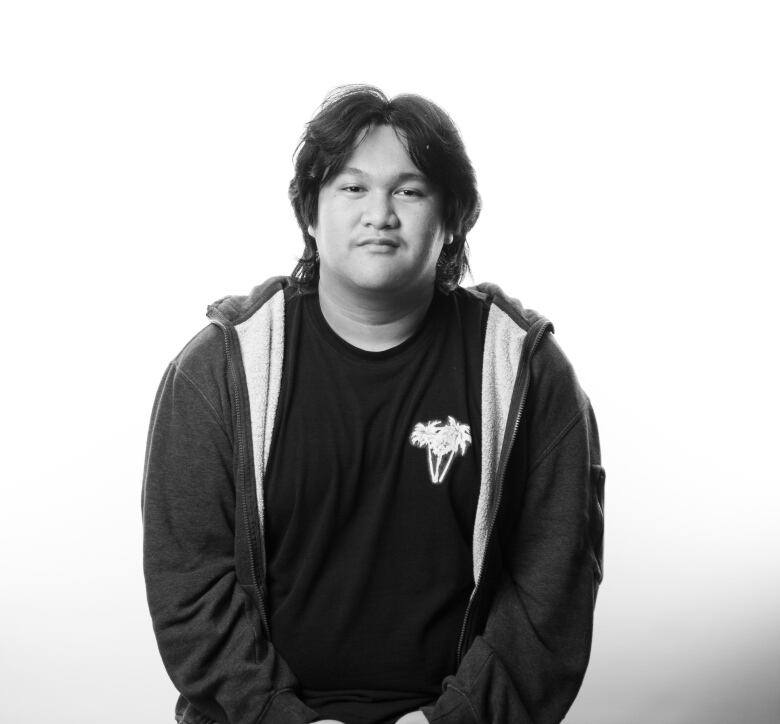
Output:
(310, 229)
(449, 238)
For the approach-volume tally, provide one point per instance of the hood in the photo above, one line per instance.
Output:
(235, 309)
(238, 308)
(526, 318)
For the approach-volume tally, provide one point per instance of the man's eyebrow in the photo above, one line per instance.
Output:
(405, 176)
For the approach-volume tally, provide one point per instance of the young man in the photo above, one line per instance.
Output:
(371, 495)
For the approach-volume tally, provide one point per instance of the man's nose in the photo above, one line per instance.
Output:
(379, 211)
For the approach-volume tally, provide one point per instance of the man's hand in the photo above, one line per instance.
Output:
(413, 717)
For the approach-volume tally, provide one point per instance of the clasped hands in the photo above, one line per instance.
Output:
(413, 717)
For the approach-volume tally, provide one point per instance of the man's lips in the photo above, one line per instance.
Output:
(379, 241)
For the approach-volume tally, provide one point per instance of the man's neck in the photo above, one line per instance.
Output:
(374, 322)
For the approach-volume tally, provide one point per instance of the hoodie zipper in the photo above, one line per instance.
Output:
(504, 461)
(223, 323)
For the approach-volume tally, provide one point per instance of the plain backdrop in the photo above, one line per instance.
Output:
(628, 158)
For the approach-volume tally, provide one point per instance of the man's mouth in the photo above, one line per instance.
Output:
(379, 241)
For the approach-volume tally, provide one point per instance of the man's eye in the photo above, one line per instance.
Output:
(410, 192)
(351, 188)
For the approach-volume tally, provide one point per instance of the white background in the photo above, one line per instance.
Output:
(628, 157)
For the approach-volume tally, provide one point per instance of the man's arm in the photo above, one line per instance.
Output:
(208, 629)
(529, 661)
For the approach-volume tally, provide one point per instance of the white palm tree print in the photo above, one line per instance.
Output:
(442, 442)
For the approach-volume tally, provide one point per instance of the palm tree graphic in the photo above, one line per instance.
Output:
(442, 441)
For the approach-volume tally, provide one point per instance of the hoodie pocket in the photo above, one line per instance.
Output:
(596, 522)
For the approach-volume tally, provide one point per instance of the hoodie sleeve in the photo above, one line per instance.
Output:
(208, 628)
(527, 664)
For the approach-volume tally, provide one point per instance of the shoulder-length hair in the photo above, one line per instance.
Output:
(434, 146)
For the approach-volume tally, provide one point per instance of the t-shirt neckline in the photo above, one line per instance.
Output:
(420, 337)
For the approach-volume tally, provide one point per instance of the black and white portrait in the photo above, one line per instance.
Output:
(390, 364)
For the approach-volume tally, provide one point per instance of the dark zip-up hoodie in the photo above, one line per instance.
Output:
(537, 544)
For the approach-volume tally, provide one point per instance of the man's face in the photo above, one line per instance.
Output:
(379, 222)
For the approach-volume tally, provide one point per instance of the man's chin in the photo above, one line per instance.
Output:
(391, 286)
(374, 281)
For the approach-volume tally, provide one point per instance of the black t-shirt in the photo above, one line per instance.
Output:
(370, 498)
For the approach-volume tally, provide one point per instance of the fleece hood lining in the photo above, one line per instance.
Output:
(261, 337)
(500, 364)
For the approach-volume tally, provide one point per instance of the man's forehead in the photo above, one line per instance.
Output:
(411, 174)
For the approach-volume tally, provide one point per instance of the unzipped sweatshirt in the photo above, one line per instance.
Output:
(537, 546)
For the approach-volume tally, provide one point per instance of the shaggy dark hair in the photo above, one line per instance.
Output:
(433, 144)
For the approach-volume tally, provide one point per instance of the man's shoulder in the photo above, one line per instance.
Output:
(204, 351)
(498, 302)
(203, 358)
(549, 361)
(235, 309)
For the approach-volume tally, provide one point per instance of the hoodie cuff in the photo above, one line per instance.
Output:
(286, 708)
(452, 707)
